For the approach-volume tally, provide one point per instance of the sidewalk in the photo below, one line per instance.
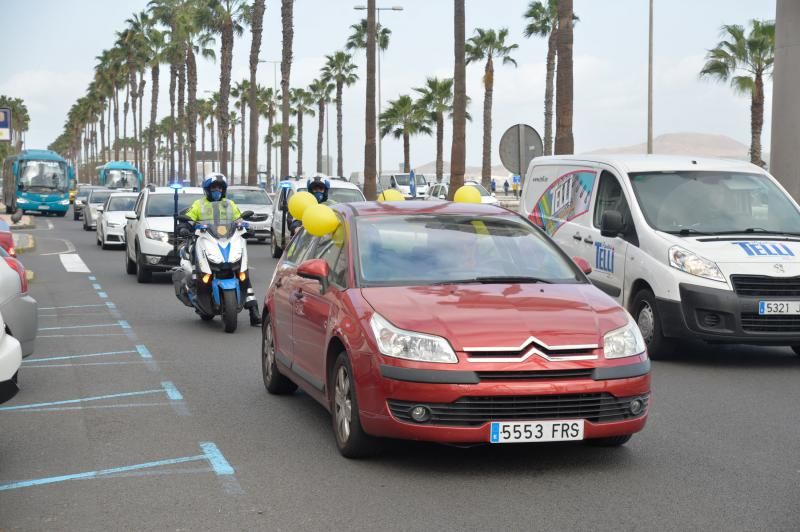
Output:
(26, 222)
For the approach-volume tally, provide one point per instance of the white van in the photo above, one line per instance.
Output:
(691, 247)
(402, 182)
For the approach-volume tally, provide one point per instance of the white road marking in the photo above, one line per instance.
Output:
(50, 225)
(73, 263)
(70, 248)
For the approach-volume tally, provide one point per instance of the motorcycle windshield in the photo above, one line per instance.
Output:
(218, 219)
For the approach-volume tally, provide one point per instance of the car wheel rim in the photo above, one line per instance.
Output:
(646, 322)
(343, 404)
(269, 353)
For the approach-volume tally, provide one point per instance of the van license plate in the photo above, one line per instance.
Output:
(778, 307)
(536, 431)
(44, 207)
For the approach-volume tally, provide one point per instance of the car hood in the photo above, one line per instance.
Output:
(256, 208)
(161, 223)
(501, 315)
(114, 216)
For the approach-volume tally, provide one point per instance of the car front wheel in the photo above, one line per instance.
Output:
(351, 439)
(130, 266)
(143, 275)
(276, 251)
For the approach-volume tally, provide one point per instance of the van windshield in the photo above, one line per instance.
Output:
(403, 180)
(713, 202)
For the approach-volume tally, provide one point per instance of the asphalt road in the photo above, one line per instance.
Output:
(188, 439)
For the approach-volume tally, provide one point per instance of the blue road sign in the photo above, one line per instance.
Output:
(5, 125)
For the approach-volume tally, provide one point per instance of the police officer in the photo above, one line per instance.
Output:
(319, 189)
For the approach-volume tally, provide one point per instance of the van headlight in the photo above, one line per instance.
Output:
(693, 264)
(22, 200)
(64, 202)
(624, 342)
(394, 342)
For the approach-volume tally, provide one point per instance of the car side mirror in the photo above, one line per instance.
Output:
(611, 224)
(100, 209)
(583, 264)
(246, 215)
(130, 215)
(316, 269)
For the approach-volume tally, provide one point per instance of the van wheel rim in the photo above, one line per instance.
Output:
(343, 404)
(269, 353)
(647, 322)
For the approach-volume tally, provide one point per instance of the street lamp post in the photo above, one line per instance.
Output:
(650, 86)
(378, 58)
(275, 95)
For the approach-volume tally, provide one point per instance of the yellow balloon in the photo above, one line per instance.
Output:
(467, 194)
(320, 220)
(338, 236)
(299, 202)
(391, 195)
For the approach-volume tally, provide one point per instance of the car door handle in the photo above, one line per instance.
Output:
(298, 295)
(576, 236)
(588, 240)
(278, 282)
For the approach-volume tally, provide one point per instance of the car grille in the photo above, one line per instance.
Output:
(534, 375)
(473, 411)
(258, 218)
(752, 322)
(765, 286)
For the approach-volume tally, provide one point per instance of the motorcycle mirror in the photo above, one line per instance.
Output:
(246, 215)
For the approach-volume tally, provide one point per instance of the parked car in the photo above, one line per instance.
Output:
(149, 230)
(340, 191)
(96, 198)
(439, 191)
(692, 247)
(7, 239)
(253, 199)
(402, 182)
(10, 361)
(111, 218)
(81, 193)
(20, 310)
(499, 338)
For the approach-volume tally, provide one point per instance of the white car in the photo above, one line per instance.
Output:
(111, 218)
(97, 197)
(254, 199)
(402, 182)
(10, 360)
(340, 191)
(21, 311)
(439, 191)
(149, 231)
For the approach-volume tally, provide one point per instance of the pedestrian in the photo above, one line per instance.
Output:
(505, 187)
(494, 185)
(514, 186)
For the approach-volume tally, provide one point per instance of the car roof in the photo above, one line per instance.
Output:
(654, 162)
(334, 183)
(184, 190)
(395, 208)
(124, 194)
(244, 187)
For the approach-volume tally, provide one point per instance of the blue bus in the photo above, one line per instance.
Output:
(119, 174)
(37, 181)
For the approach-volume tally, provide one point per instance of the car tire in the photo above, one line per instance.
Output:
(61, 214)
(143, 275)
(351, 439)
(276, 251)
(645, 314)
(274, 381)
(796, 349)
(130, 266)
(230, 310)
(611, 441)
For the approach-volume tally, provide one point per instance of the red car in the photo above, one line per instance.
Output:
(7, 239)
(451, 322)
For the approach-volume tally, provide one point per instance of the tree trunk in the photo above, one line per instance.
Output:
(191, 113)
(223, 112)
(103, 134)
(256, 25)
(270, 123)
(565, 143)
(339, 162)
(213, 161)
(108, 128)
(181, 125)
(406, 152)
(151, 134)
(202, 145)
(140, 143)
(116, 124)
(548, 92)
(232, 179)
(320, 131)
(439, 147)
(241, 136)
(371, 141)
(173, 76)
(287, 7)
(756, 120)
(134, 95)
(488, 84)
(126, 107)
(458, 150)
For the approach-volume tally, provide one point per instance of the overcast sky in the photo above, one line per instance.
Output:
(51, 47)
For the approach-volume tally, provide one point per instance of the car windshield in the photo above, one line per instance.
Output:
(123, 203)
(99, 196)
(164, 204)
(344, 195)
(713, 202)
(434, 249)
(121, 179)
(43, 176)
(248, 197)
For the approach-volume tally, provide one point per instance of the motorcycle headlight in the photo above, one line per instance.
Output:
(394, 342)
(624, 342)
(693, 264)
(161, 236)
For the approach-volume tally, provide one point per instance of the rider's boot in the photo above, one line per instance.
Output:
(255, 317)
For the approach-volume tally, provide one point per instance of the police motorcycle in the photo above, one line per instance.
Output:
(213, 271)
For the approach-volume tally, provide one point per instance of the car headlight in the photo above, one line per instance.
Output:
(162, 236)
(394, 342)
(78, 202)
(624, 342)
(64, 202)
(693, 264)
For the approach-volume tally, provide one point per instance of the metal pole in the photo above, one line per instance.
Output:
(650, 86)
(521, 154)
(278, 177)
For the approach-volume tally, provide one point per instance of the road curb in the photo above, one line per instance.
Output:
(24, 242)
(26, 222)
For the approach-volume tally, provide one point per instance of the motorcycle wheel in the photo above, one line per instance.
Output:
(230, 310)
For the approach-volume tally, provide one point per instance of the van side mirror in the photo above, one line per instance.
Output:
(316, 269)
(611, 224)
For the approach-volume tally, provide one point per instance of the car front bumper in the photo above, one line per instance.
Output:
(113, 235)
(259, 229)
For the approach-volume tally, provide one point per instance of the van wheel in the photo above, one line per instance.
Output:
(644, 311)
(276, 251)
(351, 439)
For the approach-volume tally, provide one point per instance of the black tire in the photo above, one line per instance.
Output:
(275, 382)
(612, 441)
(143, 275)
(796, 349)
(85, 225)
(130, 266)
(230, 310)
(276, 251)
(645, 313)
(352, 442)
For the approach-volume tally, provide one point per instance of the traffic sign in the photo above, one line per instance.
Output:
(5, 124)
(518, 146)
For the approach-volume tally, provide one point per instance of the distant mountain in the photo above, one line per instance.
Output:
(474, 172)
(699, 144)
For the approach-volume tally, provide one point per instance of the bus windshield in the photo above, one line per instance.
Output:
(121, 179)
(36, 176)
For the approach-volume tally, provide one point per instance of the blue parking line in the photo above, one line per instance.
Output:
(92, 278)
(110, 305)
(215, 458)
(124, 324)
(172, 391)
(102, 295)
(80, 326)
(143, 351)
(97, 286)
(69, 306)
(69, 357)
(82, 400)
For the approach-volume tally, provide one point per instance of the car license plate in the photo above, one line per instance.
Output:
(538, 431)
(44, 207)
(778, 307)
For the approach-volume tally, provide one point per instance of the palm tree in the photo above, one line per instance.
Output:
(256, 26)
(744, 59)
(458, 152)
(277, 138)
(358, 39)
(565, 142)
(203, 113)
(287, 23)
(320, 91)
(226, 18)
(134, 40)
(403, 118)
(213, 104)
(198, 42)
(234, 121)
(241, 94)
(339, 69)
(156, 45)
(266, 107)
(437, 98)
(489, 45)
(302, 103)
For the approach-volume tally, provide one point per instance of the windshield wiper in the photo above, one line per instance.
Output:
(759, 230)
(497, 279)
(686, 231)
